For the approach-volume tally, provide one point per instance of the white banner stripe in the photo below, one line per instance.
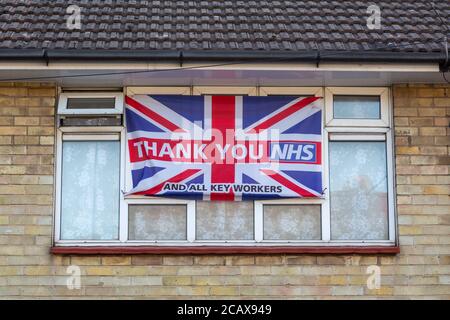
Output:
(159, 135)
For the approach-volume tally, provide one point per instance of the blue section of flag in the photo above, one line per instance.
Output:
(311, 125)
(198, 180)
(144, 173)
(312, 180)
(137, 123)
(256, 108)
(189, 107)
(247, 180)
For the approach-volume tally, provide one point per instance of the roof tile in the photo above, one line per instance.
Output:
(222, 25)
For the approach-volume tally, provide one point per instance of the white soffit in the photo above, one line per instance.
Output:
(287, 74)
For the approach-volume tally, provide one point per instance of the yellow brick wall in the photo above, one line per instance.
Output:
(27, 270)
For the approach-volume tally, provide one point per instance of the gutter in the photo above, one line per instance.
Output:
(180, 57)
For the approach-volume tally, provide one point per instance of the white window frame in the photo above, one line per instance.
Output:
(365, 130)
(158, 90)
(294, 91)
(85, 134)
(190, 219)
(65, 96)
(218, 90)
(371, 137)
(324, 218)
(382, 92)
(342, 130)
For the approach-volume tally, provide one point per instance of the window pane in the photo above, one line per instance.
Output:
(157, 222)
(90, 190)
(292, 222)
(225, 220)
(358, 186)
(91, 103)
(357, 107)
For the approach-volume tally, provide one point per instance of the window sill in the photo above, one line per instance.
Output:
(217, 250)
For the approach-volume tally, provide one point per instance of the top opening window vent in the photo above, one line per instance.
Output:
(90, 103)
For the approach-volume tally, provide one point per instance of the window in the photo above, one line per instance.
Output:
(357, 209)
(89, 168)
(357, 107)
(292, 222)
(90, 187)
(224, 220)
(88, 103)
(358, 190)
(158, 220)
(361, 197)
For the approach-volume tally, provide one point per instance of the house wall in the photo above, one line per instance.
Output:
(27, 270)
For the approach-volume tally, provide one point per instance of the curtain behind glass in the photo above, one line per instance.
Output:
(90, 190)
(358, 191)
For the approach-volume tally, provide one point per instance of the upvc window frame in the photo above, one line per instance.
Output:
(86, 134)
(223, 90)
(367, 135)
(65, 96)
(292, 91)
(365, 130)
(159, 90)
(190, 219)
(382, 92)
(334, 129)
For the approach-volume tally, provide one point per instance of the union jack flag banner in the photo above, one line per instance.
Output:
(225, 147)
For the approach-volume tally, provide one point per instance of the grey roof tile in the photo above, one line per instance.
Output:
(280, 25)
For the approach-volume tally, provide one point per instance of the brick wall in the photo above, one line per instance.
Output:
(26, 187)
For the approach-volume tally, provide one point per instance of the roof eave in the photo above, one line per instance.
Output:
(181, 57)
